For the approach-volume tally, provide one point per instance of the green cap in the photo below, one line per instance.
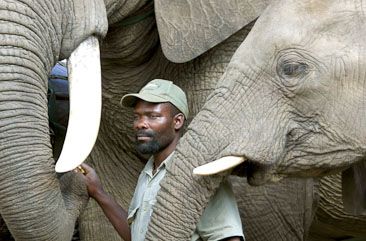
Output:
(159, 91)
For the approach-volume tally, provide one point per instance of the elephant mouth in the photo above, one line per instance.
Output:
(256, 173)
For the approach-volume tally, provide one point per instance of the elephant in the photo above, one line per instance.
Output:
(291, 104)
(190, 42)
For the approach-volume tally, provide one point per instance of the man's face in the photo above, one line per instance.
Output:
(154, 126)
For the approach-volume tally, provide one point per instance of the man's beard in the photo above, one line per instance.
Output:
(150, 147)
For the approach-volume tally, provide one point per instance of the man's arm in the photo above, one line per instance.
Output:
(112, 210)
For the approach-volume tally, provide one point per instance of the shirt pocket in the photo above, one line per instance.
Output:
(132, 215)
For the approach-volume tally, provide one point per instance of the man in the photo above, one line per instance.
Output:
(160, 109)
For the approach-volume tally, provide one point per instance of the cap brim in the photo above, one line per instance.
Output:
(129, 100)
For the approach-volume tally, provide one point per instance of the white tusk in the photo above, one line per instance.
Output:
(219, 165)
(85, 105)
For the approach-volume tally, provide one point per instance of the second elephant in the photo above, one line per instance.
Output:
(291, 103)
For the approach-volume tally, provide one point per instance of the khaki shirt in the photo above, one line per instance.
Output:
(219, 220)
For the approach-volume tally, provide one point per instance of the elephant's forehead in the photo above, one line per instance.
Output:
(321, 16)
(305, 23)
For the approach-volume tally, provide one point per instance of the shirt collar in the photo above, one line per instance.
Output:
(150, 165)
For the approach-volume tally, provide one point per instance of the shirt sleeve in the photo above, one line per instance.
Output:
(221, 217)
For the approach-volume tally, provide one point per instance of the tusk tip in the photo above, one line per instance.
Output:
(63, 166)
(218, 166)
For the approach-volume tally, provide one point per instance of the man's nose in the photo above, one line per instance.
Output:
(140, 123)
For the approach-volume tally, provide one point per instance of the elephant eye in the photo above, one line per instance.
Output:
(295, 69)
(292, 70)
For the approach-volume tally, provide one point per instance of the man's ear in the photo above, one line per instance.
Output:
(178, 121)
(191, 27)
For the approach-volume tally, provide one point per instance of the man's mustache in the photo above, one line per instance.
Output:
(142, 133)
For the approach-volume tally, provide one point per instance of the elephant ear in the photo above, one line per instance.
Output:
(354, 189)
(191, 27)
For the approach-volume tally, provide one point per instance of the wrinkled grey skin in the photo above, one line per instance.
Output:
(35, 204)
(39, 205)
(292, 101)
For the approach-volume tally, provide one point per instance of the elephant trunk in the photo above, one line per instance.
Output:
(32, 203)
(28, 183)
(35, 204)
(176, 213)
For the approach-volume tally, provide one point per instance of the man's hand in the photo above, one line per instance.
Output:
(113, 211)
(92, 181)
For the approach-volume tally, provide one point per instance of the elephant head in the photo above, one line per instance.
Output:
(291, 103)
(37, 204)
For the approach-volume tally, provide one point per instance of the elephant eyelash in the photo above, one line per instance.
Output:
(294, 69)
(292, 73)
